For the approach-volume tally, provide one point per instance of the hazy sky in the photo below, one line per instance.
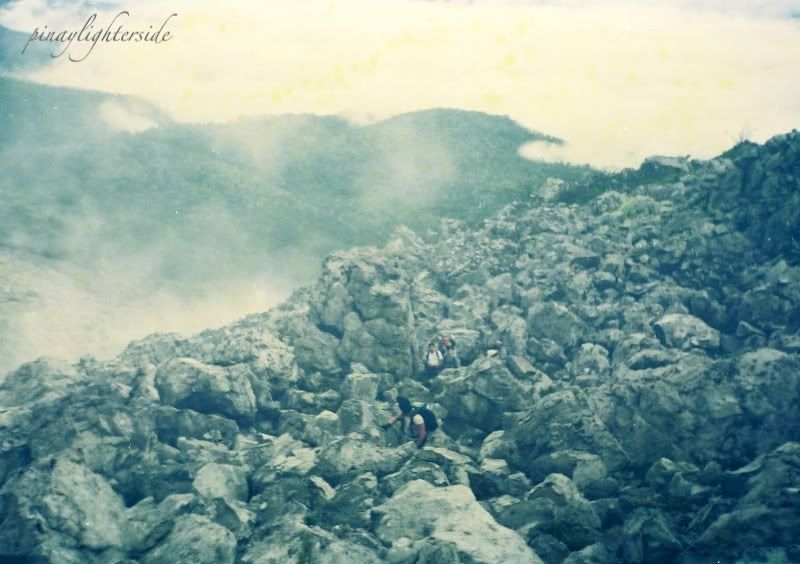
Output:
(618, 81)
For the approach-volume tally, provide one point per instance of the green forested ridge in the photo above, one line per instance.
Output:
(214, 199)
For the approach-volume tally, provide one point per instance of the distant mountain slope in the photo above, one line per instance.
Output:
(79, 190)
(11, 45)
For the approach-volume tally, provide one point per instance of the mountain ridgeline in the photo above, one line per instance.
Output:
(77, 188)
(642, 404)
(157, 225)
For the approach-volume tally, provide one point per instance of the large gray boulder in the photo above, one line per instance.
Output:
(563, 420)
(683, 331)
(350, 456)
(38, 381)
(221, 480)
(649, 537)
(60, 504)
(447, 525)
(360, 385)
(293, 542)
(557, 322)
(289, 460)
(364, 298)
(479, 394)
(555, 506)
(768, 512)
(194, 538)
(584, 468)
(188, 383)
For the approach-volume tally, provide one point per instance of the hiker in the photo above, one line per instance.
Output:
(497, 350)
(418, 423)
(451, 359)
(446, 342)
(433, 361)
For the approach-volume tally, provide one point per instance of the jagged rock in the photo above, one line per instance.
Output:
(350, 456)
(221, 480)
(314, 349)
(415, 470)
(172, 423)
(591, 359)
(649, 537)
(661, 472)
(595, 553)
(149, 522)
(496, 477)
(231, 514)
(296, 543)
(549, 548)
(356, 415)
(584, 468)
(311, 402)
(651, 358)
(154, 349)
(456, 466)
(480, 394)
(187, 383)
(268, 448)
(194, 538)
(447, 525)
(293, 461)
(556, 506)
(685, 490)
(547, 353)
(767, 513)
(60, 503)
(324, 491)
(555, 321)
(321, 429)
(351, 503)
(563, 420)
(41, 380)
(470, 305)
(685, 332)
(496, 445)
(284, 500)
(360, 386)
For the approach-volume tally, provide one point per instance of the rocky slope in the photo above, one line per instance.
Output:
(643, 407)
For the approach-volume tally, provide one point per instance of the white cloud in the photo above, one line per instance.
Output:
(122, 118)
(617, 81)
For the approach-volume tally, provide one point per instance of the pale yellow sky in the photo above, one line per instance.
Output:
(618, 82)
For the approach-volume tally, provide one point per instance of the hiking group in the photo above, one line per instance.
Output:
(419, 422)
(439, 356)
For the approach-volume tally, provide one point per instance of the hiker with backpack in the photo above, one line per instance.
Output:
(433, 361)
(451, 359)
(418, 422)
(446, 342)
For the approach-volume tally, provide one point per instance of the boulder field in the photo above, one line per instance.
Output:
(641, 403)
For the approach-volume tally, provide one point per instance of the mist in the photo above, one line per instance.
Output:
(118, 222)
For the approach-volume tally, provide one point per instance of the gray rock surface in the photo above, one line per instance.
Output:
(455, 529)
(186, 382)
(628, 392)
(194, 538)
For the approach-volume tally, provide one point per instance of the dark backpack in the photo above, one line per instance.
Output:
(431, 424)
